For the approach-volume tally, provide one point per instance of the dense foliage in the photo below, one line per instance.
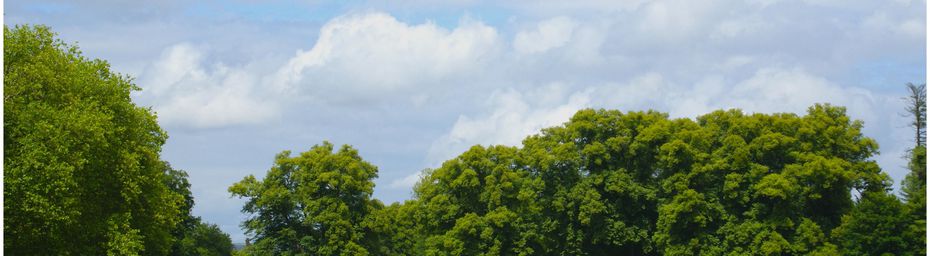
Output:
(82, 172)
(311, 204)
(606, 183)
(191, 235)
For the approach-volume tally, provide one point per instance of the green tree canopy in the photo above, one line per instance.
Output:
(875, 227)
(82, 169)
(479, 204)
(311, 204)
(641, 183)
(605, 182)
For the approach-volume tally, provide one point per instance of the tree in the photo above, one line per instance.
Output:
(177, 183)
(311, 204)
(639, 183)
(479, 204)
(917, 109)
(643, 184)
(597, 182)
(914, 186)
(392, 229)
(191, 235)
(204, 240)
(874, 227)
(82, 171)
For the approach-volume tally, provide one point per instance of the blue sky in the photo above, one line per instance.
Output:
(411, 83)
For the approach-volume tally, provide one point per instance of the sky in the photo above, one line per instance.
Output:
(413, 83)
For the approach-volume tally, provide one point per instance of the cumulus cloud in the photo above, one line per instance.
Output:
(909, 27)
(361, 57)
(742, 26)
(513, 115)
(767, 90)
(377, 53)
(407, 182)
(677, 19)
(792, 90)
(548, 34)
(190, 92)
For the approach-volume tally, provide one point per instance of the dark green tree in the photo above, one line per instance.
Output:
(874, 227)
(914, 189)
(204, 239)
(82, 174)
(914, 186)
(392, 229)
(479, 204)
(191, 235)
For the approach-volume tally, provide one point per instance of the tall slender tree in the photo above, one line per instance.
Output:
(917, 110)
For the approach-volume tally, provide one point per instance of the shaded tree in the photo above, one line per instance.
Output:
(874, 227)
(914, 188)
(914, 185)
(204, 239)
(191, 235)
(392, 229)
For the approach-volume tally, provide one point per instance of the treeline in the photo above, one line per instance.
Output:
(608, 183)
(82, 172)
(83, 176)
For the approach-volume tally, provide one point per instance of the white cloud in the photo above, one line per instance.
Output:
(735, 62)
(636, 93)
(548, 34)
(407, 182)
(767, 90)
(514, 115)
(913, 27)
(880, 21)
(560, 7)
(745, 26)
(676, 19)
(377, 53)
(187, 92)
(791, 90)
(762, 3)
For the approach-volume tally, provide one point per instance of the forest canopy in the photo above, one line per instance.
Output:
(605, 183)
